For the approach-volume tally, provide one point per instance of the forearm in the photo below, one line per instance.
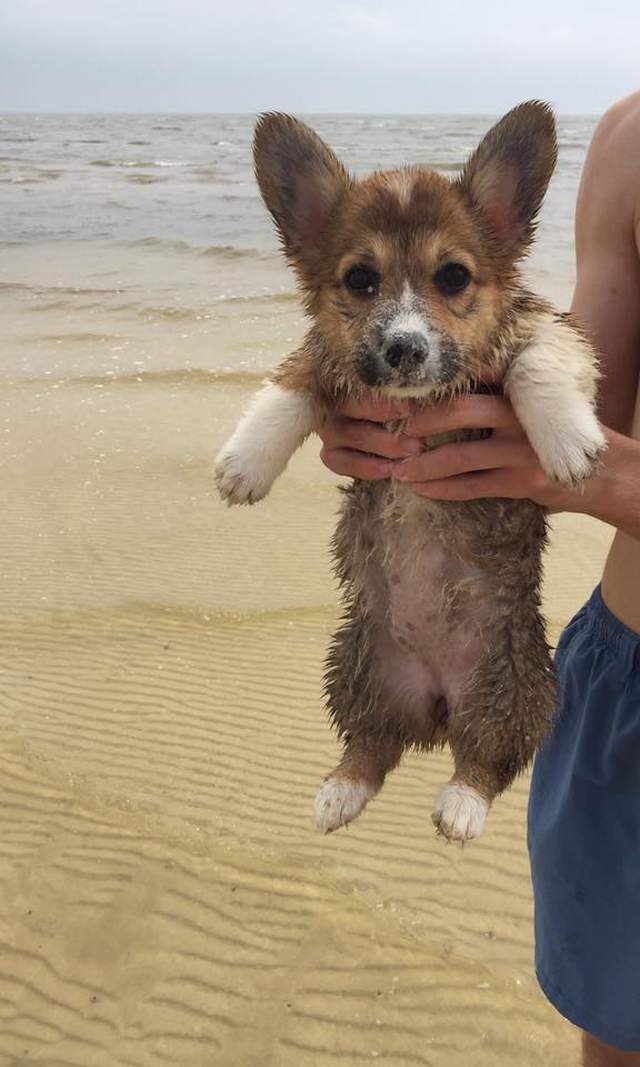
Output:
(613, 493)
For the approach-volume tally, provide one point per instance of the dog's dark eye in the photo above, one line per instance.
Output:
(452, 278)
(363, 281)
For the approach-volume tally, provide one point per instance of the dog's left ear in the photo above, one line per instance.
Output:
(507, 176)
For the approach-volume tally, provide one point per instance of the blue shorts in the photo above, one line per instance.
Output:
(584, 831)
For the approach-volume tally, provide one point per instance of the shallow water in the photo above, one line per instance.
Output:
(164, 898)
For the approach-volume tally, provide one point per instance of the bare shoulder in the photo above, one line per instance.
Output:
(621, 124)
(612, 170)
(608, 207)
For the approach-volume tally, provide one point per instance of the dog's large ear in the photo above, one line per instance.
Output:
(300, 180)
(507, 176)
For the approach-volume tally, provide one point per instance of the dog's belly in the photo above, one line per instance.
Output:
(430, 607)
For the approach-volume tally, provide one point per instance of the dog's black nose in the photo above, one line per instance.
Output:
(405, 348)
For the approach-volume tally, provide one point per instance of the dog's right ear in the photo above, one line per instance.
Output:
(300, 180)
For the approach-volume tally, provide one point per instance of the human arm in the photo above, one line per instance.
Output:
(503, 465)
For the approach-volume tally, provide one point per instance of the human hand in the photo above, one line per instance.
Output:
(356, 444)
(503, 465)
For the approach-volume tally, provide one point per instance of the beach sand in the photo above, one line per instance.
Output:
(164, 896)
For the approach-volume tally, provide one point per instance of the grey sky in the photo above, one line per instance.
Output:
(337, 55)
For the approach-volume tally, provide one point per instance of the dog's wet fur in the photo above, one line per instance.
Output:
(412, 287)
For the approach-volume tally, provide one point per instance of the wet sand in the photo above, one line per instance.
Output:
(164, 896)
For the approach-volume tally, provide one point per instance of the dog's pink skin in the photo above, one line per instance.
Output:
(428, 606)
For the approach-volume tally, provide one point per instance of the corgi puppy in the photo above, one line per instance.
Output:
(412, 287)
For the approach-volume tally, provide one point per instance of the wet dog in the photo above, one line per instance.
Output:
(411, 283)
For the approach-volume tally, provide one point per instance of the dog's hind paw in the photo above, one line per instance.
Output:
(460, 812)
(340, 801)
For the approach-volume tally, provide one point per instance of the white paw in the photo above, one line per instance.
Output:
(569, 451)
(264, 441)
(241, 479)
(460, 812)
(552, 388)
(340, 801)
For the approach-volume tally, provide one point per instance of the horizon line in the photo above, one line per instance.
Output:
(301, 111)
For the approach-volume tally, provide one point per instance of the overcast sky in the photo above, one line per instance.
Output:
(319, 55)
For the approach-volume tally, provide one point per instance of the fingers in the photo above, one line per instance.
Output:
(347, 461)
(356, 445)
(464, 457)
(464, 413)
(364, 436)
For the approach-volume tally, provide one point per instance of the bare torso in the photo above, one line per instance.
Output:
(607, 303)
(621, 577)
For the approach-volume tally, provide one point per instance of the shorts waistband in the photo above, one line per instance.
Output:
(618, 637)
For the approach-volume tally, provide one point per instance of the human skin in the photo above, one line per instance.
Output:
(606, 303)
(503, 466)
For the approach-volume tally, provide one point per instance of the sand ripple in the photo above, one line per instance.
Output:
(164, 897)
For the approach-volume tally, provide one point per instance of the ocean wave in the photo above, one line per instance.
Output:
(444, 164)
(84, 338)
(261, 298)
(9, 287)
(63, 304)
(206, 171)
(168, 163)
(225, 252)
(146, 179)
(139, 163)
(189, 376)
(231, 252)
(34, 177)
(174, 376)
(164, 243)
(56, 290)
(171, 312)
(59, 298)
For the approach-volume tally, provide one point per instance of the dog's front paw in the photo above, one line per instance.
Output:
(238, 481)
(340, 801)
(569, 450)
(460, 812)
